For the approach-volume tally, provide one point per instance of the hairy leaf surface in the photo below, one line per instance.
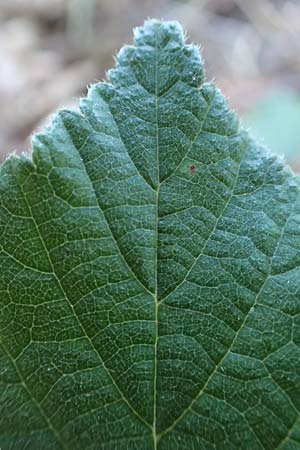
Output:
(149, 271)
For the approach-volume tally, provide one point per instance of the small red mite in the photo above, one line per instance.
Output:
(193, 168)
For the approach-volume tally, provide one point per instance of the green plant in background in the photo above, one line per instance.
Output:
(150, 282)
(276, 122)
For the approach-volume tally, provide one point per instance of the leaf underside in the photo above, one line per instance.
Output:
(149, 271)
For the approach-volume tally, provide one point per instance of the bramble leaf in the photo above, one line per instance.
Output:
(149, 271)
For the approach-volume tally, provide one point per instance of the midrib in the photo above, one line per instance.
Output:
(156, 256)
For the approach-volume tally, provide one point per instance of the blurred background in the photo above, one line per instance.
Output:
(50, 50)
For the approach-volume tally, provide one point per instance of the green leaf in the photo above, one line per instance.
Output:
(149, 271)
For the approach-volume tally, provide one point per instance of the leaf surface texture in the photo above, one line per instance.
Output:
(149, 271)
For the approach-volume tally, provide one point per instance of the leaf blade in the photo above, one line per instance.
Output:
(151, 269)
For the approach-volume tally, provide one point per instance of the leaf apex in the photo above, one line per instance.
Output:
(158, 33)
